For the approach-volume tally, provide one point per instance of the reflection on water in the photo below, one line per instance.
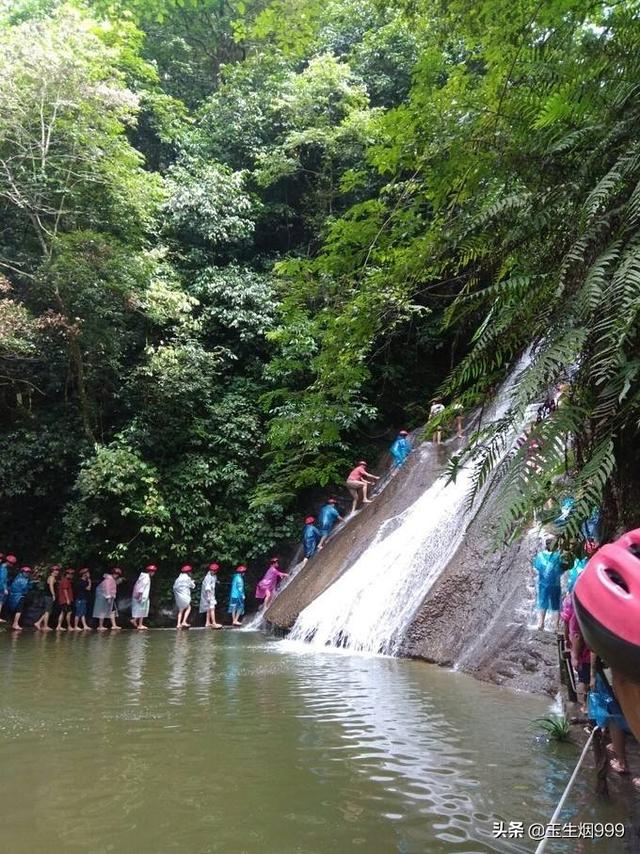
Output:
(206, 741)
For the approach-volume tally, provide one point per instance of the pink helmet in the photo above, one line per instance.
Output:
(403, 433)
(309, 520)
(241, 568)
(25, 569)
(12, 559)
(607, 603)
(213, 567)
(187, 568)
(151, 568)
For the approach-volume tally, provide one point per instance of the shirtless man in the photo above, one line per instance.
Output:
(358, 483)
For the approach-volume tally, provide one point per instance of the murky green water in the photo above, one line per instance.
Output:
(199, 742)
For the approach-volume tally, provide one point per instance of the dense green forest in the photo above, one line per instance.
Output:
(242, 242)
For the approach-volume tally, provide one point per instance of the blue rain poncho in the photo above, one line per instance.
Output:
(572, 576)
(590, 528)
(548, 565)
(327, 518)
(602, 706)
(310, 538)
(400, 450)
(4, 579)
(236, 596)
(566, 509)
(20, 586)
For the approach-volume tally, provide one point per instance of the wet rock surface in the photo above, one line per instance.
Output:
(478, 613)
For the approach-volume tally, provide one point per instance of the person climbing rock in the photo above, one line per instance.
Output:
(182, 587)
(50, 596)
(269, 581)
(327, 518)
(459, 418)
(437, 408)
(104, 605)
(358, 484)
(140, 597)
(65, 602)
(399, 450)
(311, 536)
(208, 596)
(580, 654)
(236, 595)
(6, 564)
(548, 564)
(19, 591)
(81, 593)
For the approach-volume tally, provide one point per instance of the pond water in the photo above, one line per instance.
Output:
(234, 742)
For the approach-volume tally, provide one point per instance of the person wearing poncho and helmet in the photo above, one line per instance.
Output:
(236, 595)
(327, 518)
(208, 596)
(548, 564)
(269, 581)
(19, 591)
(311, 536)
(182, 587)
(140, 597)
(400, 450)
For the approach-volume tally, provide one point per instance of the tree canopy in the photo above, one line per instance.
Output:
(243, 242)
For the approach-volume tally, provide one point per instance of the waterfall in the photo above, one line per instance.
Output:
(369, 608)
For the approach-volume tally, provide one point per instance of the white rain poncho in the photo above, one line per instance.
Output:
(182, 587)
(208, 593)
(140, 598)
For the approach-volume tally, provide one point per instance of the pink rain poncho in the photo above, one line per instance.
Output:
(269, 582)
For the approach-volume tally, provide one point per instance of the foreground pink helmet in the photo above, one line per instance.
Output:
(607, 603)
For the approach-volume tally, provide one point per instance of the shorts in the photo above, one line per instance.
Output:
(584, 673)
(549, 598)
(48, 603)
(81, 607)
(65, 609)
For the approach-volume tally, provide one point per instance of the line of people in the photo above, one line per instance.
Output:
(67, 594)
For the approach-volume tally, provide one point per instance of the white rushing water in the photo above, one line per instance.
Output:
(369, 608)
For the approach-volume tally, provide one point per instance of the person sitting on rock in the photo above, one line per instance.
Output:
(327, 518)
(311, 536)
(400, 450)
(358, 484)
(549, 565)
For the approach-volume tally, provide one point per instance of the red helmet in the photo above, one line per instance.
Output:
(151, 568)
(25, 569)
(11, 559)
(187, 568)
(213, 567)
(309, 520)
(116, 571)
(241, 568)
(607, 603)
(331, 501)
(56, 566)
(403, 433)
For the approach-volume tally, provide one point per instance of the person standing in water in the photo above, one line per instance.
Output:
(269, 581)
(140, 597)
(311, 536)
(81, 594)
(50, 596)
(65, 601)
(104, 605)
(208, 596)
(19, 591)
(327, 518)
(437, 408)
(182, 587)
(549, 565)
(236, 595)
(5, 563)
(358, 483)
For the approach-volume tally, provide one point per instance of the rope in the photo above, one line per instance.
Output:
(543, 843)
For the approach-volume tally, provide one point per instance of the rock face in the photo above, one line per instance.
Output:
(476, 615)
(348, 543)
